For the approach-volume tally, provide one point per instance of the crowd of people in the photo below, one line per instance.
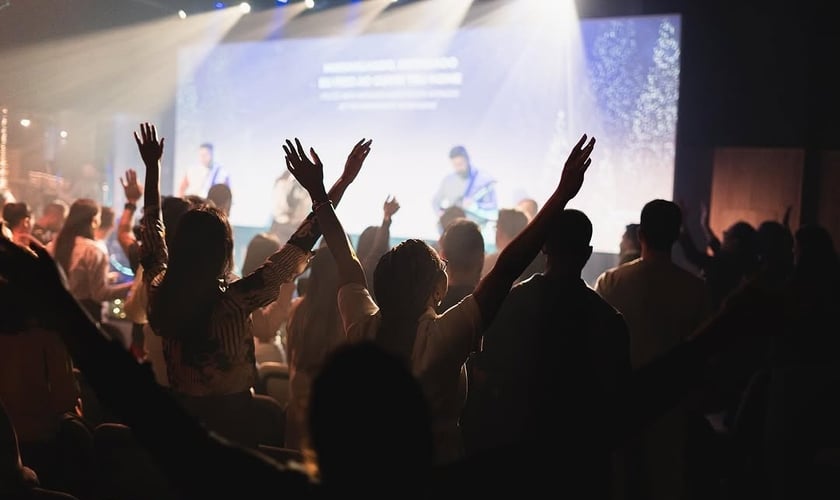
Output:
(423, 369)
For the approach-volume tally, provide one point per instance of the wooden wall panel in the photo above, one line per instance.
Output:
(829, 202)
(755, 185)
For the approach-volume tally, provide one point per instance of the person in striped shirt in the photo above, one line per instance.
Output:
(203, 319)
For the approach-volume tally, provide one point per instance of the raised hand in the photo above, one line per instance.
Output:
(151, 150)
(572, 178)
(355, 160)
(308, 172)
(390, 207)
(132, 189)
(704, 216)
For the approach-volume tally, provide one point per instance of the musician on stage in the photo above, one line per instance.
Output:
(467, 188)
(199, 178)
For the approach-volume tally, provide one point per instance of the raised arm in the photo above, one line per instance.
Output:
(196, 463)
(494, 287)
(310, 175)
(382, 236)
(151, 151)
(713, 241)
(694, 255)
(262, 287)
(133, 193)
(697, 257)
(309, 231)
(786, 217)
(153, 252)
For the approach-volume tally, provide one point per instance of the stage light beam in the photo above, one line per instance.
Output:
(310, 4)
(245, 7)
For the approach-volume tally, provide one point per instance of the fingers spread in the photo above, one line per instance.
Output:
(300, 150)
(315, 156)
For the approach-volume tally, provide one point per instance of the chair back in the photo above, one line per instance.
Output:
(273, 381)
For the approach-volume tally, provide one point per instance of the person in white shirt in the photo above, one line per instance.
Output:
(410, 280)
(199, 178)
(662, 304)
(83, 259)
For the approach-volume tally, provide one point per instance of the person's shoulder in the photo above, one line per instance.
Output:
(617, 272)
(687, 277)
(482, 177)
(355, 296)
(527, 291)
(88, 245)
(535, 283)
(450, 177)
(598, 304)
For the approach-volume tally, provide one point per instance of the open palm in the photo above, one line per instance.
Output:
(355, 160)
(308, 172)
(151, 149)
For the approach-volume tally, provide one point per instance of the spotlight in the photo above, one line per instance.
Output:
(220, 5)
(245, 7)
(25, 122)
(182, 14)
(63, 134)
(309, 4)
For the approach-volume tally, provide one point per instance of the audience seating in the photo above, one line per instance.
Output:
(274, 381)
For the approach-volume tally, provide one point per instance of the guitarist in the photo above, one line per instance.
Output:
(467, 188)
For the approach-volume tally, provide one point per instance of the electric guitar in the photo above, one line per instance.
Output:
(471, 208)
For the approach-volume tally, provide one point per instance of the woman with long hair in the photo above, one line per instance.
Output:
(315, 329)
(411, 279)
(83, 261)
(203, 317)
